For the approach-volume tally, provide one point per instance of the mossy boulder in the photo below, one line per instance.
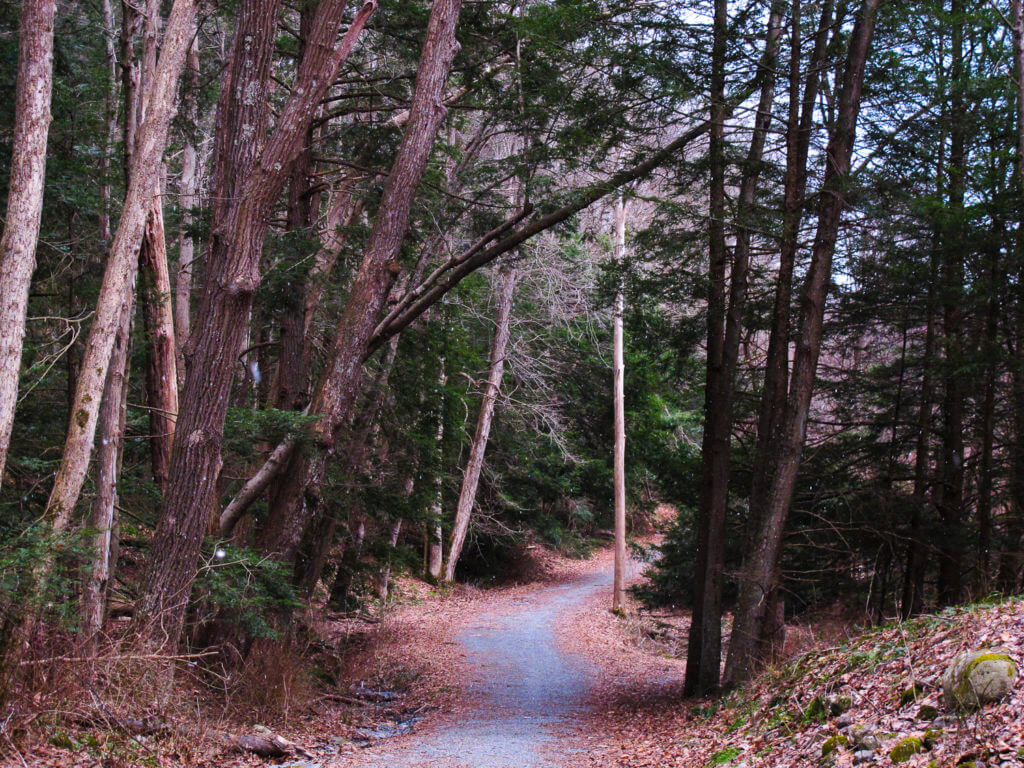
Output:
(977, 678)
(927, 712)
(904, 749)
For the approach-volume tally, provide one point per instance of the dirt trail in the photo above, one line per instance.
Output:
(527, 693)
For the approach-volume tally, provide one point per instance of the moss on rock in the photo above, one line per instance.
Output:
(977, 678)
(906, 749)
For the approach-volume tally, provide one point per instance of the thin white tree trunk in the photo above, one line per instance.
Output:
(471, 478)
(619, 372)
(24, 198)
(435, 533)
(118, 287)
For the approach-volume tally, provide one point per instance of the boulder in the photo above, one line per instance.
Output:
(864, 739)
(977, 678)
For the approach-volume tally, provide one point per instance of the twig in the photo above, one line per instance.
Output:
(134, 657)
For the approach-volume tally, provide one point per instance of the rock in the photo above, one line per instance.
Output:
(905, 749)
(258, 744)
(844, 721)
(977, 678)
(864, 739)
(863, 756)
(927, 712)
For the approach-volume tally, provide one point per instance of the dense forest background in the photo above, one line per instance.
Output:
(313, 292)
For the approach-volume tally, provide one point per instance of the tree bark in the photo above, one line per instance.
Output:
(761, 573)
(912, 601)
(619, 406)
(475, 463)
(24, 198)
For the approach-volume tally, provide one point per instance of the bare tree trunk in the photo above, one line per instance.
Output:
(24, 198)
(1011, 558)
(250, 176)
(104, 506)
(912, 600)
(188, 201)
(118, 287)
(619, 406)
(762, 570)
(704, 646)
(110, 118)
(951, 467)
(475, 463)
(435, 532)
(988, 421)
(290, 387)
(161, 361)
(721, 381)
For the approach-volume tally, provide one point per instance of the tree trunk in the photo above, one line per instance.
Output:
(110, 118)
(762, 571)
(250, 176)
(721, 420)
(704, 647)
(435, 532)
(24, 198)
(619, 404)
(990, 350)
(161, 362)
(104, 506)
(475, 463)
(188, 201)
(1011, 559)
(952, 542)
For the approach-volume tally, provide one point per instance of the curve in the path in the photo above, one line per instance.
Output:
(525, 689)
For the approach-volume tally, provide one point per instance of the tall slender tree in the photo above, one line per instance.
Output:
(25, 198)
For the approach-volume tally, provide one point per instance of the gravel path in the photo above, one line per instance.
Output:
(526, 693)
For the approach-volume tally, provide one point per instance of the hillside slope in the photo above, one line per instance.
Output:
(856, 702)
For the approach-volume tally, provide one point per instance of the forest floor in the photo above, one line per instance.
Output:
(543, 674)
